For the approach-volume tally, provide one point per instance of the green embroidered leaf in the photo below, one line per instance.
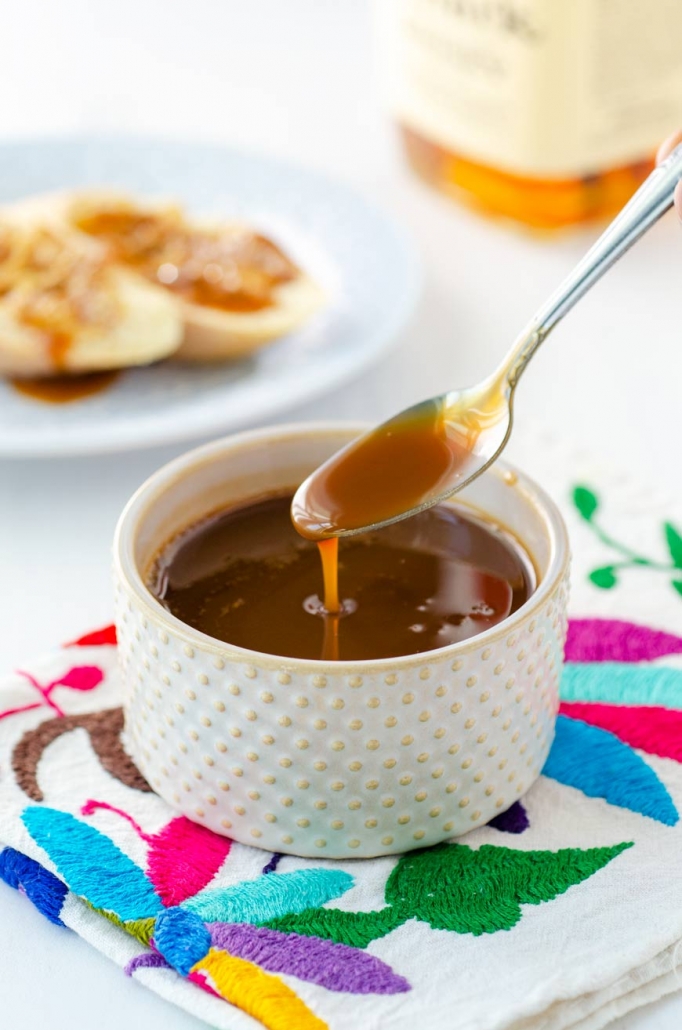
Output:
(141, 929)
(585, 501)
(452, 887)
(604, 578)
(674, 541)
(677, 585)
(356, 929)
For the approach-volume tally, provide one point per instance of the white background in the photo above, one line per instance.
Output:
(295, 78)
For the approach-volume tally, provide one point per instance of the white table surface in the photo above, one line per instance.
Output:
(296, 79)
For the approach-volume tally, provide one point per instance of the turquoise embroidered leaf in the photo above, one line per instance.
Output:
(674, 541)
(600, 765)
(92, 865)
(585, 501)
(277, 894)
(624, 683)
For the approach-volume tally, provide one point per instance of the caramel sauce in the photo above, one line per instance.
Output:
(229, 269)
(247, 577)
(387, 472)
(65, 389)
(329, 554)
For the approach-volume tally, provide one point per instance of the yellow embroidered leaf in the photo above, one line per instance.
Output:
(261, 995)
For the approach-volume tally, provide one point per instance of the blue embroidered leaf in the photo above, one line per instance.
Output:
(39, 885)
(278, 894)
(598, 763)
(92, 865)
(182, 939)
(334, 966)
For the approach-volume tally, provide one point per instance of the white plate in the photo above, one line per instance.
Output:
(361, 259)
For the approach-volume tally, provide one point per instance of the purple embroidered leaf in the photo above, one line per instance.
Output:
(600, 765)
(514, 820)
(148, 960)
(334, 966)
(81, 677)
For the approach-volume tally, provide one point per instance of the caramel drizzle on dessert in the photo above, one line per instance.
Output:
(233, 269)
(51, 282)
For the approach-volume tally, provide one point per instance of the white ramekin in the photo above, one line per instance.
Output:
(335, 759)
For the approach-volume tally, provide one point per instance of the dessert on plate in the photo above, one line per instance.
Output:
(98, 280)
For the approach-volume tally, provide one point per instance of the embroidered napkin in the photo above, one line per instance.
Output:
(565, 911)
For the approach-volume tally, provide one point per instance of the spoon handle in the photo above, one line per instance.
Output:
(652, 199)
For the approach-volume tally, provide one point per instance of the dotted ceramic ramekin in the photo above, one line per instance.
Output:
(335, 759)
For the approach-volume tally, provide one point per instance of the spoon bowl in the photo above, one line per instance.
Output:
(414, 460)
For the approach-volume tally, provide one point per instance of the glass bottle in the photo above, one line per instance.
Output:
(547, 112)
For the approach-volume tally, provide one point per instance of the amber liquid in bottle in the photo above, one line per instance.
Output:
(536, 202)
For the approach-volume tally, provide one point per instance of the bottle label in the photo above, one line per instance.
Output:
(546, 88)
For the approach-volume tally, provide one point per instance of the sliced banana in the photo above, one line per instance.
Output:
(66, 308)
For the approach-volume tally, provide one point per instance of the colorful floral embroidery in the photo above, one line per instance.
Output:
(615, 640)
(605, 577)
(514, 820)
(38, 884)
(454, 887)
(238, 941)
(600, 765)
(80, 677)
(204, 935)
(104, 729)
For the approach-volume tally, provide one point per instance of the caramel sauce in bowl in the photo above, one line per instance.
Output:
(352, 758)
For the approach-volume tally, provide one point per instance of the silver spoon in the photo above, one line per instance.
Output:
(429, 451)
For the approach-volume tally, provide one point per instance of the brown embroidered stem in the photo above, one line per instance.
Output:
(104, 729)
